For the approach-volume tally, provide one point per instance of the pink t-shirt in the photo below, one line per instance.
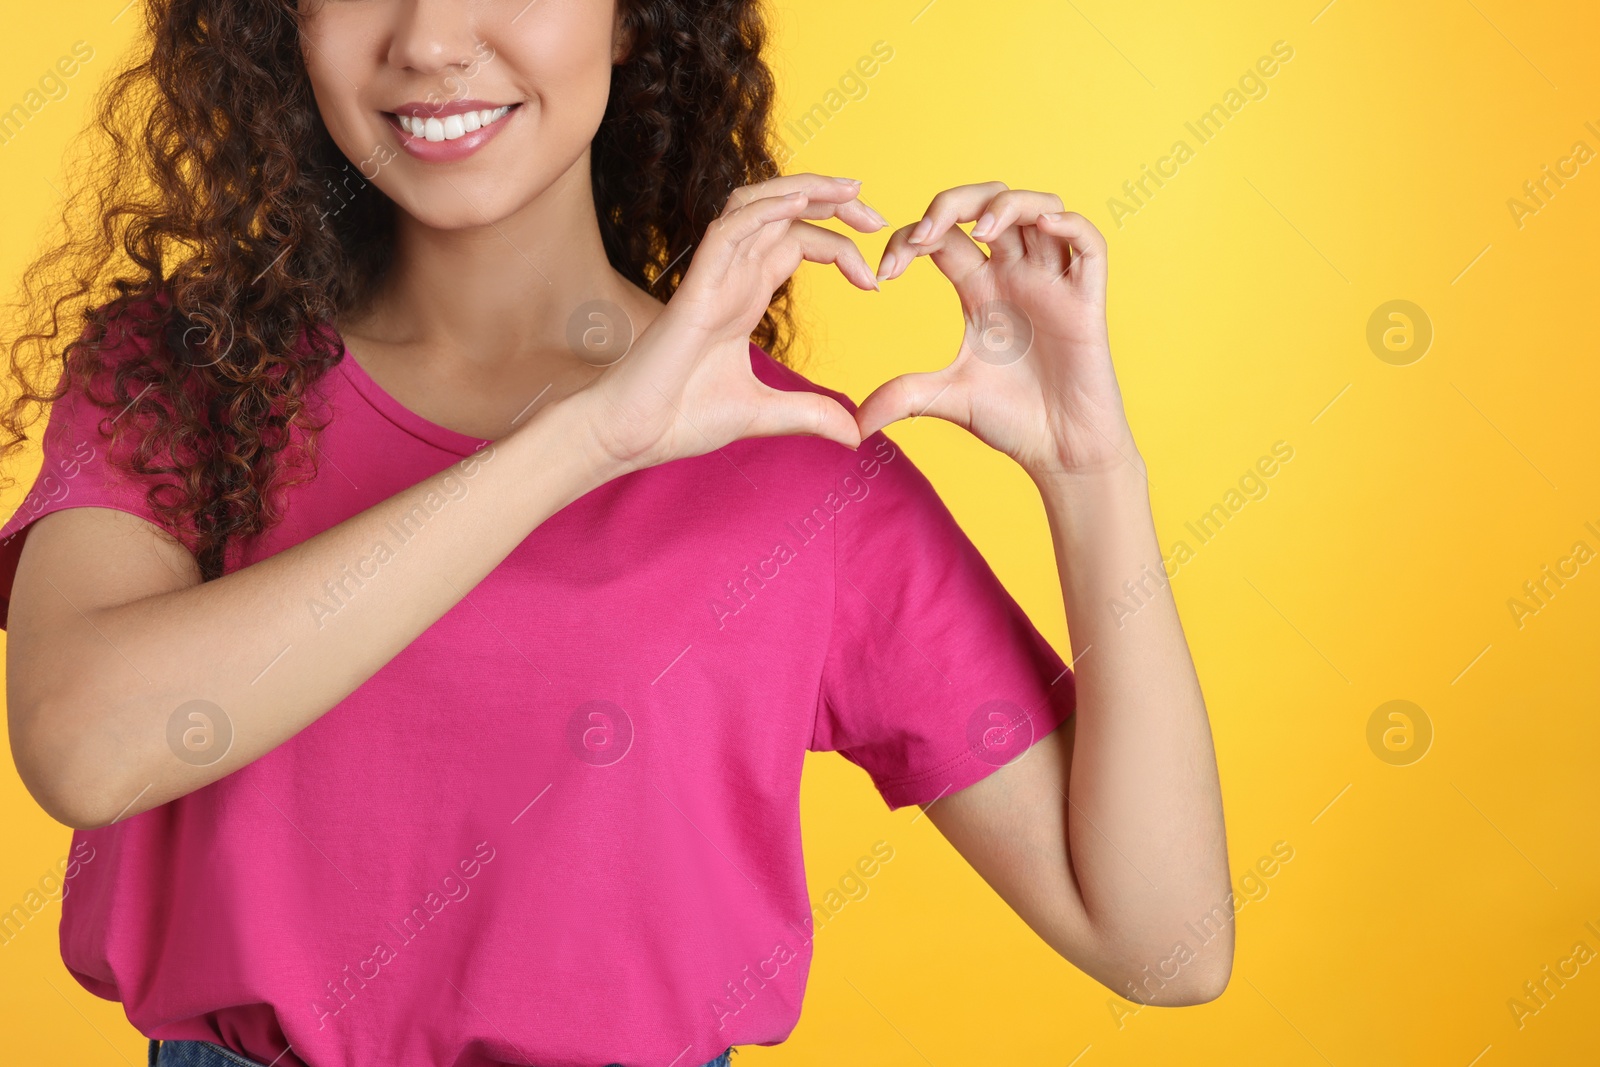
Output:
(562, 826)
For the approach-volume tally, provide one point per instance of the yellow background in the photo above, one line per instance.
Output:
(1378, 567)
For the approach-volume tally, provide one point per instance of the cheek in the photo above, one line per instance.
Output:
(336, 96)
(570, 75)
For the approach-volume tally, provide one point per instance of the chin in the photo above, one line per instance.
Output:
(450, 209)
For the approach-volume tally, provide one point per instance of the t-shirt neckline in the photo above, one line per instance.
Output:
(439, 436)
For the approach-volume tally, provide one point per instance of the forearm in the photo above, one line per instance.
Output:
(255, 642)
(1144, 818)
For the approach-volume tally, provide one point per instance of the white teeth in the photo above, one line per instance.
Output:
(452, 126)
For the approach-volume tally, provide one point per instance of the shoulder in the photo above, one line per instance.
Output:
(104, 399)
(827, 457)
(132, 327)
(119, 339)
(779, 376)
(878, 466)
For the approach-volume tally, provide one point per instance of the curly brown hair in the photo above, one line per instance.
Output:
(213, 180)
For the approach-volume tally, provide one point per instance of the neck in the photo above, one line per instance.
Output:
(501, 292)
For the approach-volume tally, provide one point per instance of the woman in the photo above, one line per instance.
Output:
(435, 582)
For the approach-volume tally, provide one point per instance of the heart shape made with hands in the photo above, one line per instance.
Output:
(1032, 376)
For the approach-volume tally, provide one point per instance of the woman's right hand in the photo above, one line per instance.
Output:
(686, 387)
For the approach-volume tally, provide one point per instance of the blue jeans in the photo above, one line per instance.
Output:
(205, 1054)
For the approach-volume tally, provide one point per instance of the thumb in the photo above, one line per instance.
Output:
(780, 412)
(938, 393)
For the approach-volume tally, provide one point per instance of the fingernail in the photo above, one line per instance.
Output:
(1053, 216)
(983, 225)
(921, 231)
(848, 181)
(886, 268)
(875, 214)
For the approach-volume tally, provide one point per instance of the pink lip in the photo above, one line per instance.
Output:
(447, 151)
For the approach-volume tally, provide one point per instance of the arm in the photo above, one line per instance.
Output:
(1108, 838)
(1112, 840)
(112, 631)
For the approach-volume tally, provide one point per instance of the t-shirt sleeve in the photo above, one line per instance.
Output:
(75, 472)
(934, 676)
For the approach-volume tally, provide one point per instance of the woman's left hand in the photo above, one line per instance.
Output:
(1033, 377)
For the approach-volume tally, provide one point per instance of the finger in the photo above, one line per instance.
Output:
(963, 203)
(940, 393)
(828, 201)
(829, 196)
(1087, 261)
(735, 229)
(855, 213)
(999, 225)
(727, 237)
(817, 245)
(954, 253)
(815, 186)
(779, 412)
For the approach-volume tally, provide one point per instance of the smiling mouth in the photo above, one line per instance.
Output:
(449, 127)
